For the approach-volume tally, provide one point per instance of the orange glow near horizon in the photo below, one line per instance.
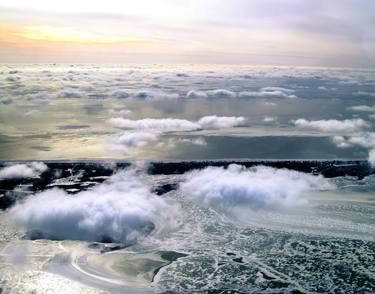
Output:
(291, 32)
(56, 34)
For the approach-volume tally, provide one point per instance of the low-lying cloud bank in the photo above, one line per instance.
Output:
(155, 95)
(266, 92)
(363, 139)
(147, 94)
(350, 132)
(174, 124)
(221, 93)
(363, 108)
(20, 171)
(269, 92)
(332, 125)
(218, 93)
(255, 188)
(364, 93)
(120, 210)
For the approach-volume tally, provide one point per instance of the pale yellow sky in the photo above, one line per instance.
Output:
(282, 32)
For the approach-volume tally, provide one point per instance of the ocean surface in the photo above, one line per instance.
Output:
(186, 179)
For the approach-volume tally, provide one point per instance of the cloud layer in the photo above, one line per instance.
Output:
(163, 124)
(149, 130)
(363, 139)
(174, 124)
(269, 92)
(363, 108)
(332, 125)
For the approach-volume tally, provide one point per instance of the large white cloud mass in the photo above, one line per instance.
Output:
(121, 209)
(258, 187)
(174, 124)
(19, 171)
(332, 125)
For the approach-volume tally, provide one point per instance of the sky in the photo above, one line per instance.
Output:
(259, 32)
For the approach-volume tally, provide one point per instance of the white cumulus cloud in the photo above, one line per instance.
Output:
(129, 140)
(220, 122)
(258, 187)
(19, 171)
(363, 139)
(162, 124)
(174, 124)
(121, 209)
